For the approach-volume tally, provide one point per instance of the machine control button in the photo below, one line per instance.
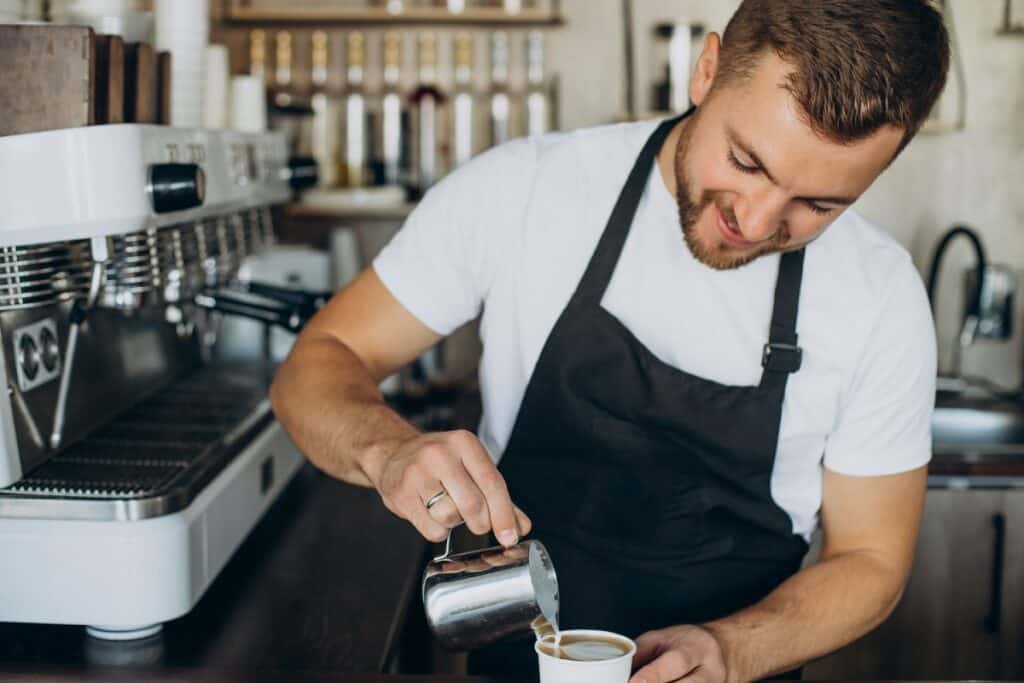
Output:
(49, 352)
(37, 351)
(28, 356)
(176, 187)
(302, 173)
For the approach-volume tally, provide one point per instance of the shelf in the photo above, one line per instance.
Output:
(397, 213)
(239, 12)
(367, 204)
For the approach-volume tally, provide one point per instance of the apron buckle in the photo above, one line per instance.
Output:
(779, 357)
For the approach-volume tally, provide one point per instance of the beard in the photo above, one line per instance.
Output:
(713, 251)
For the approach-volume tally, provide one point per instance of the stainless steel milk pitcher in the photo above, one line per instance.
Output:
(476, 598)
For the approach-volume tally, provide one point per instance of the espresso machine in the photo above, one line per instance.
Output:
(133, 459)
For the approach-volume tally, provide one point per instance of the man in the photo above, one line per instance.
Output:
(675, 412)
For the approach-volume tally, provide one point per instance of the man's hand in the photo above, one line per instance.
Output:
(458, 464)
(688, 653)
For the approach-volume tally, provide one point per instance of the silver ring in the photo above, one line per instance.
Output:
(435, 499)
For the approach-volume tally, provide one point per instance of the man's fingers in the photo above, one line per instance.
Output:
(501, 511)
(412, 508)
(458, 464)
(669, 666)
(445, 512)
(648, 646)
(703, 674)
(525, 524)
(468, 498)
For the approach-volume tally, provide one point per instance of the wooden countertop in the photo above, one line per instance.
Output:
(1005, 471)
(323, 584)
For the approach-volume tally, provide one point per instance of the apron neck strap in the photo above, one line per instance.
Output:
(781, 354)
(602, 263)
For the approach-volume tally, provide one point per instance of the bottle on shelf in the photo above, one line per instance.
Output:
(391, 6)
(283, 92)
(393, 119)
(326, 107)
(355, 110)
(427, 103)
(538, 104)
(464, 109)
(258, 53)
(500, 102)
(290, 110)
(676, 47)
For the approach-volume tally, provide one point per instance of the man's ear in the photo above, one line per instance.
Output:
(706, 68)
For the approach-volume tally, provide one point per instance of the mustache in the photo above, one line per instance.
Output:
(730, 215)
(694, 210)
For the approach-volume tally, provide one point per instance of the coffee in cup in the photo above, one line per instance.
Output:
(585, 648)
(578, 655)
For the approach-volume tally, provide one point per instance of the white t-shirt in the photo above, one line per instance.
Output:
(511, 232)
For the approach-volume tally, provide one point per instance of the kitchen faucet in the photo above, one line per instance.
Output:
(954, 381)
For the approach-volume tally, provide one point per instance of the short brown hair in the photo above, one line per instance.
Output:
(858, 64)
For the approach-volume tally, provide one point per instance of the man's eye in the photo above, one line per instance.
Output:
(739, 166)
(818, 209)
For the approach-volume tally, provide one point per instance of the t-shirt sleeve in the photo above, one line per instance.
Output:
(885, 423)
(442, 262)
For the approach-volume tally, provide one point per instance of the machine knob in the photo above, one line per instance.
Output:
(175, 187)
(302, 173)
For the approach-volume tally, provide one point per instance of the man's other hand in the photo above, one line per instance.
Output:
(687, 653)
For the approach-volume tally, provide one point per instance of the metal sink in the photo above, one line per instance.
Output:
(978, 427)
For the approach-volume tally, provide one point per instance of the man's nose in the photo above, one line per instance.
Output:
(759, 214)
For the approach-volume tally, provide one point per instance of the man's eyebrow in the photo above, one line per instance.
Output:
(735, 140)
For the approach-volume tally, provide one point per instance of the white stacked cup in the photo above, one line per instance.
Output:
(32, 10)
(11, 11)
(126, 18)
(183, 29)
(217, 93)
(248, 104)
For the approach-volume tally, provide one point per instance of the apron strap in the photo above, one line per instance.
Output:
(602, 263)
(782, 355)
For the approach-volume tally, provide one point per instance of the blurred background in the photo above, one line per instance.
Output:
(388, 96)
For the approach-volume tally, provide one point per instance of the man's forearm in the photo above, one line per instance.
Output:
(334, 410)
(815, 612)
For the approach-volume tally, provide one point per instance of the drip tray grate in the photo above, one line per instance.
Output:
(179, 437)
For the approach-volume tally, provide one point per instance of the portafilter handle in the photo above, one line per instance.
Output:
(306, 299)
(291, 318)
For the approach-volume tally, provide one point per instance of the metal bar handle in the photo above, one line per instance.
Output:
(294, 296)
(290, 318)
(446, 555)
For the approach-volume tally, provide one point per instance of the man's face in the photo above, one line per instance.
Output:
(752, 176)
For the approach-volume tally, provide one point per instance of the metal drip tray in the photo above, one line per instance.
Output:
(153, 459)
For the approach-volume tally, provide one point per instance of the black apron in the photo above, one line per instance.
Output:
(649, 486)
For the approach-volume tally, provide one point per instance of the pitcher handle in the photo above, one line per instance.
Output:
(445, 556)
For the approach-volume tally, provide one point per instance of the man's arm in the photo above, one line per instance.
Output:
(326, 395)
(870, 527)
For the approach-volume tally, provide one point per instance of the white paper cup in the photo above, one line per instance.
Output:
(618, 670)
(248, 104)
(217, 93)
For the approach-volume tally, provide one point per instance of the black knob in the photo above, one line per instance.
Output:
(303, 173)
(176, 187)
